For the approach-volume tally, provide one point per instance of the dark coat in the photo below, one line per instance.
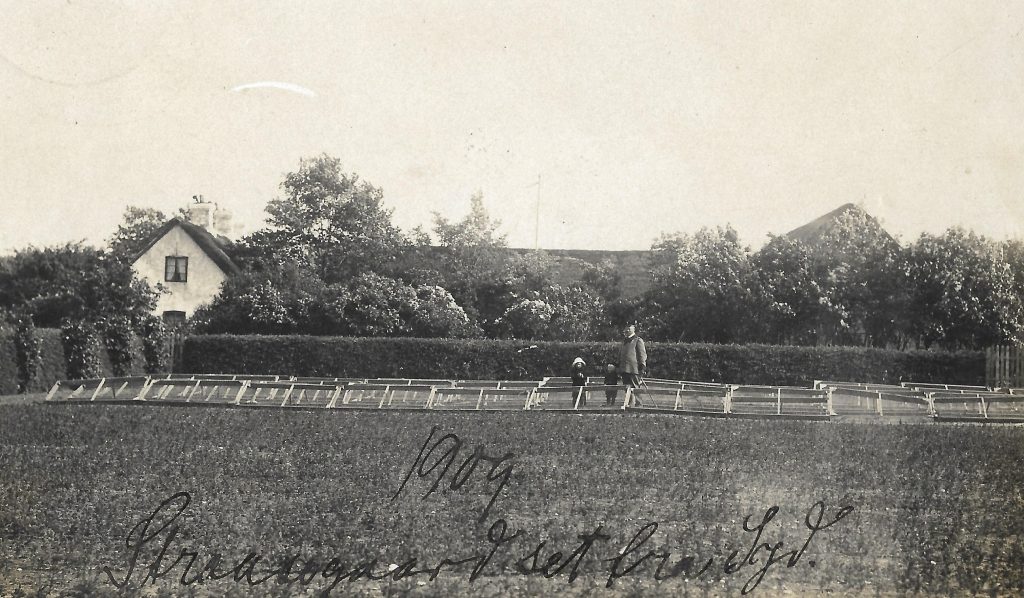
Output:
(579, 377)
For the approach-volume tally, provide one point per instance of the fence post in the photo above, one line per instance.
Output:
(989, 381)
(1018, 380)
(1004, 354)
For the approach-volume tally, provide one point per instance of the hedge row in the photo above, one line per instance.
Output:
(8, 362)
(53, 365)
(496, 359)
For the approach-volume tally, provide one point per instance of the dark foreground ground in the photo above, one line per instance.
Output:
(316, 500)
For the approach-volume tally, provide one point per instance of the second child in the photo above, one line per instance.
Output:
(611, 378)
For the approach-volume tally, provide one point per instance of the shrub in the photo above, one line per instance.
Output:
(81, 350)
(379, 305)
(117, 338)
(526, 319)
(154, 345)
(438, 315)
(504, 359)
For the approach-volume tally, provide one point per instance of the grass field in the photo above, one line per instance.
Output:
(931, 509)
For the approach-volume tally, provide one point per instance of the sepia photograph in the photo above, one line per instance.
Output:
(476, 298)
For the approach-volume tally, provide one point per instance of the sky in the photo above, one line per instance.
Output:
(637, 119)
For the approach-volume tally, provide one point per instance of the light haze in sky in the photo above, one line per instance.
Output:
(639, 118)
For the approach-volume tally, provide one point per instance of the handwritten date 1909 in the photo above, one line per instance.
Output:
(438, 459)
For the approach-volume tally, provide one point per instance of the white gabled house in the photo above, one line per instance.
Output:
(187, 260)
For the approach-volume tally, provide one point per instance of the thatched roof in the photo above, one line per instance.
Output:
(211, 245)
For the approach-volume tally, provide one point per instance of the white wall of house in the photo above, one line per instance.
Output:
(204, 275)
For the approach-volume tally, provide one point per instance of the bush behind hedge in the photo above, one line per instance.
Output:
(500, 359)
(82, 349)
(27, 350)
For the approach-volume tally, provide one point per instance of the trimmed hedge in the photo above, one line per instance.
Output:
(497, 359)
(52, 365)
(8, 362)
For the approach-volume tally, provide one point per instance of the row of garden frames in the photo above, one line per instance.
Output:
(952, 402)
(826, 400)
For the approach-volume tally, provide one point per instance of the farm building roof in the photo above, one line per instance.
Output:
(821, 227)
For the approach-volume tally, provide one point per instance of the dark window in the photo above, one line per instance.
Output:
(176, 269)
(174, 318)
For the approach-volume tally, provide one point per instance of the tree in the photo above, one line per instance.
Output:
(965, 294)
(137, 226)
(603, 280)
(575, 313)
(796, 292)
(868, 286)
(704, 288)
(332, 222)
(473, 263)
(476, 231)
(1012, 252)
(73, 281)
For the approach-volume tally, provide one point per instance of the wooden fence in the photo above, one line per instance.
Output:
(1004, 367)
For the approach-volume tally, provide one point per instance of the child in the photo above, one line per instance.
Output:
(579, 379)
(611, 378)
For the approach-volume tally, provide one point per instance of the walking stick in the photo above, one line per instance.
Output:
(636, 390)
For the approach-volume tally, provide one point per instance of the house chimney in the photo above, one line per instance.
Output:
(210, 216)
(222, 222)
(200, 212)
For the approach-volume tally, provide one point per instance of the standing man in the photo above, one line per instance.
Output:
(632, 357)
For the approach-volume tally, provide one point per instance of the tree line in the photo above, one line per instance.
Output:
(330, 261)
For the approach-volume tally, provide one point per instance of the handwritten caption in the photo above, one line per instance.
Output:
(156, 553)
